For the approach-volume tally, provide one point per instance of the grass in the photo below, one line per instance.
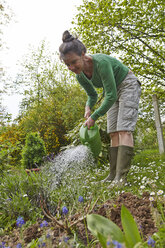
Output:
(20, 193)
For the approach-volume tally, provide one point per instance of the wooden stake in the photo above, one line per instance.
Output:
(158, 125)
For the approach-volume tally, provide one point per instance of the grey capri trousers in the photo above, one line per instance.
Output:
(123, 114)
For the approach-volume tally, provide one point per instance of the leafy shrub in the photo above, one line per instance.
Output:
(11, 143)
(33, 151)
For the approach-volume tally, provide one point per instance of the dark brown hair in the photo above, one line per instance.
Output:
(71, 44)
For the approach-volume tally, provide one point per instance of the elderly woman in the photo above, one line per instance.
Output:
(122, 91)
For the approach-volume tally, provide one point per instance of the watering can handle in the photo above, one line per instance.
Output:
(86, 132)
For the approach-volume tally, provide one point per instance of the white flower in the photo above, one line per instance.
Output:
(160, 192)
(151, 198)
(152, 193)
(142, 187)
(25, 195)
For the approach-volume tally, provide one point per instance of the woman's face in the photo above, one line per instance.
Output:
(74, 62)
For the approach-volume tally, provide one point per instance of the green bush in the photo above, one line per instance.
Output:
(33, 151)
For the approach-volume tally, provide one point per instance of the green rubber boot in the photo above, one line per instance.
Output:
(113, 151)
(125, 154)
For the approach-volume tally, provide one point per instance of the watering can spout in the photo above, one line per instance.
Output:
(91, 138)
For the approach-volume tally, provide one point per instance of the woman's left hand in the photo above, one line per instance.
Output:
(90, 122)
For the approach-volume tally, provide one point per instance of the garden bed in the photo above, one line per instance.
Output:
(140, 208)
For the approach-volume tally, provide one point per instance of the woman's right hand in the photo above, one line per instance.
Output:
(87, 112)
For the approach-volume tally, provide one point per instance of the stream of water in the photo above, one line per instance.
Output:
(69, 164)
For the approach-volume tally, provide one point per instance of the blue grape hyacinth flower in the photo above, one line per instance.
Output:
(151, 242)
(66, 239)
(81, 199)
(65, 210)
(20, 221)
(19, 245)
(44, 223)
(117, 244)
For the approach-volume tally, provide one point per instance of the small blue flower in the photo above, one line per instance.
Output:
(66, 239)
(151, 242)
(3, 245)
(48, 236)
(19, 245)
(108, 242)
(81, 199)
(20, 221)
(44, 223)
(65, 210)
(117, 244)
(9, 199)
(43, 244)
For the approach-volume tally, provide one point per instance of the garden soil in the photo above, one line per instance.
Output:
(140, 208)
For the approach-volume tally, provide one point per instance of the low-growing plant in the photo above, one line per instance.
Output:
(144, 157)
(107, 232)
(19, 194)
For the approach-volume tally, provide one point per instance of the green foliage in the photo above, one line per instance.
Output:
(132, 235)
(11, 142)
(145, 156)
(19, 194)
(98, 224)
(46, 81)
(46, 120)
(116, 27)
(104, 229)
(145, 138)
(159, 237)
(33, 151)
(4, 116)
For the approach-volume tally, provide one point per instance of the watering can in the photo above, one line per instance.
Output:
(91, 138)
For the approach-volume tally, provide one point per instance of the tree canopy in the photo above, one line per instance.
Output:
(133, 30)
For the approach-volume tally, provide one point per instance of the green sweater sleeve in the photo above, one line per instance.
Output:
(90, 90)
(107, 77)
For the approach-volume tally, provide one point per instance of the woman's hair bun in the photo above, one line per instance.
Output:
(67, 37)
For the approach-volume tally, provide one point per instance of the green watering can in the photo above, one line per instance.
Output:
(91, 138)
